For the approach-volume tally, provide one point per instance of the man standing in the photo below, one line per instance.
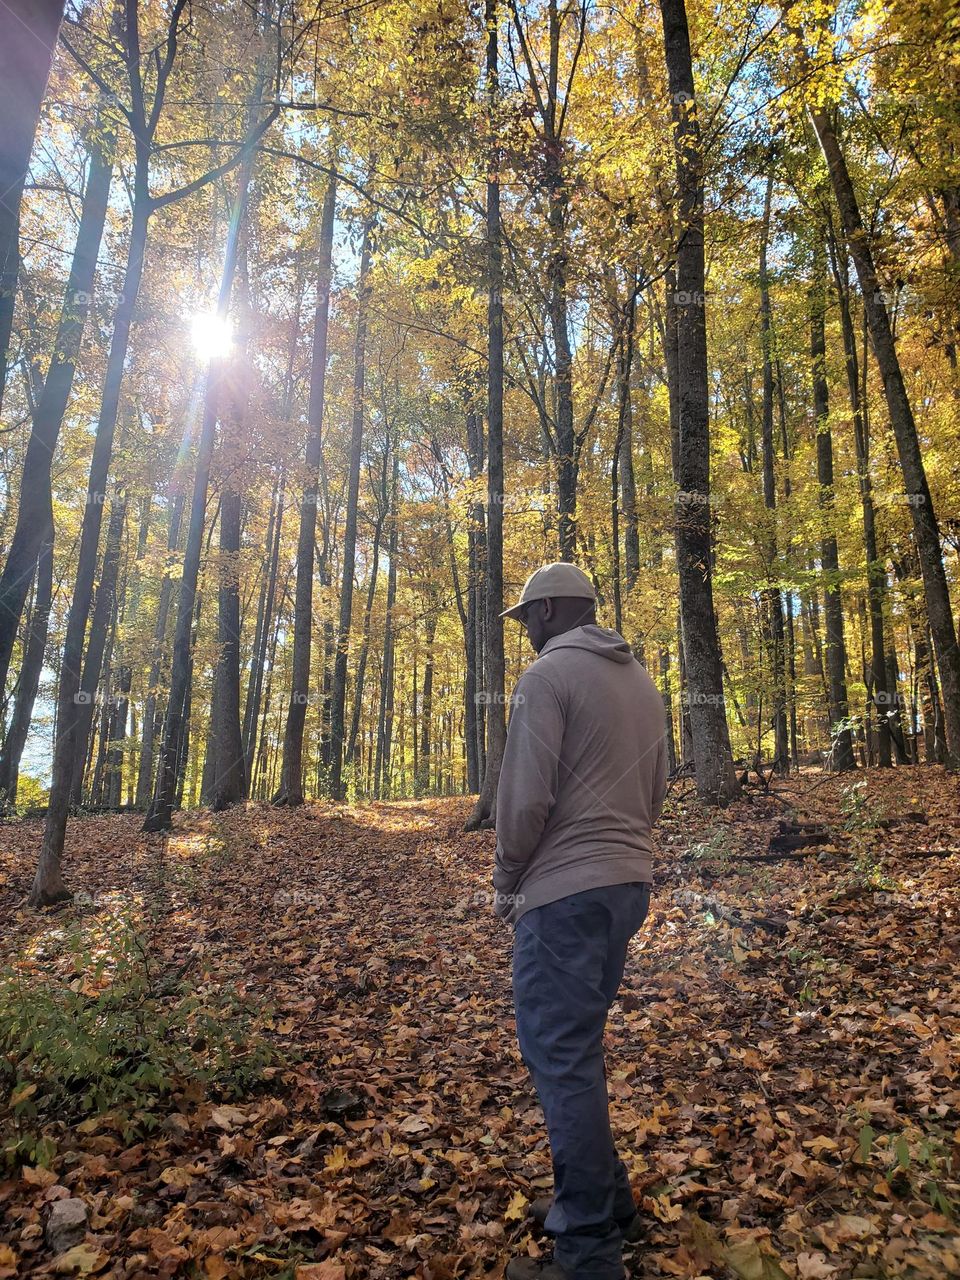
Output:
(582, 783)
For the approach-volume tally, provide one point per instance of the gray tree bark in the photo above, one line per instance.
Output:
(51, 407)
(291, 773)
(716, 779)
(493, 692)
(926, 530)
(28, 38)
(338, 705)
(836, 650)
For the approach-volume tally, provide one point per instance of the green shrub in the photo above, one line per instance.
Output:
(94, 1030)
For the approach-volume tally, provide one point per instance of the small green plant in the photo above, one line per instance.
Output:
(716, 845)
(870, 872)
(921, 1160)
(861, 811)
(95, 1030)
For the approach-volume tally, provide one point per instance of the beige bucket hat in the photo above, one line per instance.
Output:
(550, 581)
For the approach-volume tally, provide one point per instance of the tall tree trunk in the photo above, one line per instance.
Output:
(381, 768)
(113, 782)
(28, 38)
(159, 817)
(30, 670)
(928, 695)
(102, 624)
(836, 652)
(183, 743)
(422, 779)
(291, 775)
(48, 418)
(465, 607)
(876, 578)
(152, 722)
(338, 707)
(622, 479)
(926, 531)
(230, 776)
(261, 639)
(493, 695)
(628, 483)
(773, 597)
(48, 885)
(364, 653)
(474, 643)
(716, 779)
(230, 783)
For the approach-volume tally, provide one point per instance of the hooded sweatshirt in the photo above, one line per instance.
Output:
(584, 773)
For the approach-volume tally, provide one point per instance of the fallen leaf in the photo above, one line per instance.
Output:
(814, 1266)
(326, 1270)
(516, 1210)
(82, 1259)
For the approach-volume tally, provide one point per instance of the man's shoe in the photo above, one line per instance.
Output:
(631, 1231)
(534, 1269)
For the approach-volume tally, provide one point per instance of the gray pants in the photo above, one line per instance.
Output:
(568, 959)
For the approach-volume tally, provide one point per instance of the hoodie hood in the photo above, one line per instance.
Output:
(600, 640)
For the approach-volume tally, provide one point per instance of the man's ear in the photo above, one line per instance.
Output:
(548, 609)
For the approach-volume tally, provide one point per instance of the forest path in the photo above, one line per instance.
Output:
(783, 1062)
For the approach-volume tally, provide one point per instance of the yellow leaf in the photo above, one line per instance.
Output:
(749, 1263)
(82, 1260)
(516, 1210)
(822, 1143)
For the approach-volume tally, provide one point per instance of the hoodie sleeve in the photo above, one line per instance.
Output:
(528, 776)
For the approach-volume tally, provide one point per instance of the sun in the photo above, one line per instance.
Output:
(211, 334)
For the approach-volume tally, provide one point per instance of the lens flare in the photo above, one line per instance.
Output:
(211, 335)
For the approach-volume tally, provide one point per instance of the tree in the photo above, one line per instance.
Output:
(338, 697)
(291, 776)
(47, 420)
(836, 650)
(493, 695)
(926, 531)
(716, 780)
(773, 596)
(159, 817)
(28, 38)
(48, 885)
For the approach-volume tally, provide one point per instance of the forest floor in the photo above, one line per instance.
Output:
(783, 1062)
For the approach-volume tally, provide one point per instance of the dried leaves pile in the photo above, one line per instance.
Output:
(783, 1063)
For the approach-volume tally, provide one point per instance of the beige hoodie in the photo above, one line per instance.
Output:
(584, 773)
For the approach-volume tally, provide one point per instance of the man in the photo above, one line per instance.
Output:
(582, 783)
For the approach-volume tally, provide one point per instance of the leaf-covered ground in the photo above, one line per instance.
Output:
(783, 1063)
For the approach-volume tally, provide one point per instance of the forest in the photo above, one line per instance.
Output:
(323, 323)
(323, 328)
